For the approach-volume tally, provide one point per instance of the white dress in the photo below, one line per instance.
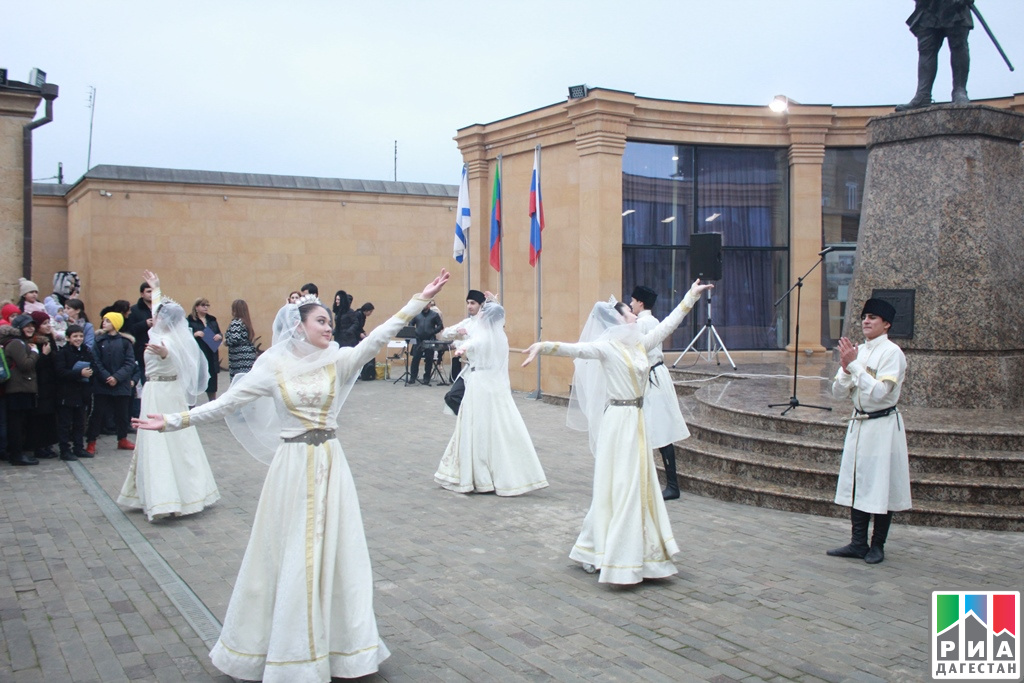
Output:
(874, 475)
(490, 449)
(626, 534)
(169, 473)
(302, 607)
(665, 423)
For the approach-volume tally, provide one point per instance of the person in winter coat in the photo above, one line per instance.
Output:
(43, 426)
(22, 355)
(112, 384)
(73, 365)
(206, 330)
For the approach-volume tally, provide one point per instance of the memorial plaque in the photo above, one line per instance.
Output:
(903, 301)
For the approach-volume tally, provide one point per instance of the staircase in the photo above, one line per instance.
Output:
(963, 476)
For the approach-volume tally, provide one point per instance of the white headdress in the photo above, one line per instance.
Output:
(258, 424)
(589, 396)
(170, 329)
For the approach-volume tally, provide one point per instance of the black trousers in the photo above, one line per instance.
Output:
(18, 421)
(71, 429)
(419, 352)
(454, 396)
(105, 404)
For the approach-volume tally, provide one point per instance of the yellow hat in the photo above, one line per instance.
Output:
(116, 319)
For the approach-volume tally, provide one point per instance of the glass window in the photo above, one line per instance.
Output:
(673, 191)
(842, 189)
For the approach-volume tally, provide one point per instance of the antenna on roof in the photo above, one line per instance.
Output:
(92, 114)
(396, 161)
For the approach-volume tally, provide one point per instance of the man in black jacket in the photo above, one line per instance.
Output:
(140, 319)
(427, 324)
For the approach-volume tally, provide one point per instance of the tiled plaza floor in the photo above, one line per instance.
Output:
(476, 587)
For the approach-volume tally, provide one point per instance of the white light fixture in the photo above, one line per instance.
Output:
(668, 220)
(628, 211)
(104, 193)
(712, 217)
(675, 157)
(780, 104)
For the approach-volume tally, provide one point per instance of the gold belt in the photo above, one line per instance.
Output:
(161, 378)
(314, 437)
(637, 402)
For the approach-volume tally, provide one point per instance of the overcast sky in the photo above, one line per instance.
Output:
(326, 87)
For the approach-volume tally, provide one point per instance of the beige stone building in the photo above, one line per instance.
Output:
(626, 183)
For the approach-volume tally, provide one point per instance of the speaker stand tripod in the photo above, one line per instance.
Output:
(715, 343)
(794, 402)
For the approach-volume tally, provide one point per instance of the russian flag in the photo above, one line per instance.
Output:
(496, 219)
(536, 210)
(461, 218)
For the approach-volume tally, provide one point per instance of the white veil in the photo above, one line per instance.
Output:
(488, 345)
(589, 395)
(170, 329)
(259, 424)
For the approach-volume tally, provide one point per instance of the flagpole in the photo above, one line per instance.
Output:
(537, 394)
(501, 238)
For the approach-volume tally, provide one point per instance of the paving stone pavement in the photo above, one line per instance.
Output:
(476, 587)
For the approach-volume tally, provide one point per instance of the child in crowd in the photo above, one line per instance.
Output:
(73, 364)
(29, 300)
(114, 363)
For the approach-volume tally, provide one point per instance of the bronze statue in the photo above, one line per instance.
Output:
(931, 22)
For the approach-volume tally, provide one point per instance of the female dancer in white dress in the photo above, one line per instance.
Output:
(169, 473)
(302, 606)
(490, 449)
(626, 534)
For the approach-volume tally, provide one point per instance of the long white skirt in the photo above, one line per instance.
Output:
(664, 419)
(169, 473)
(626, 533)
(490, 449)
(302, 606)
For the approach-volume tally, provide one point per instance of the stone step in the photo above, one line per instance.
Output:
(830, 426)
(809, 501)
(810, 450)
(713, 459)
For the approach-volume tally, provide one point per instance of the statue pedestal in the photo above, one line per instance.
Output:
(943, 215)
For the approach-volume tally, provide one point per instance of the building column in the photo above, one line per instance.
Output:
(17, 108)
(600, 121)
(806, 154)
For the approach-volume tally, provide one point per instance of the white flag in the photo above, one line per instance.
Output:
(462, 221)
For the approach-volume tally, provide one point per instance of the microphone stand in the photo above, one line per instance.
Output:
(794, 402)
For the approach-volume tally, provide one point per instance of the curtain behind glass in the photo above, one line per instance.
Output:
(666, 199)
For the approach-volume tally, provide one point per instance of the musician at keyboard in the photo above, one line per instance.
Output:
(427, 324)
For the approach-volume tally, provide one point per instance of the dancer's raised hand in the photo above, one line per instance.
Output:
(436, 286)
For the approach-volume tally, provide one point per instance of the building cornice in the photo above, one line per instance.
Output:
(19, 103)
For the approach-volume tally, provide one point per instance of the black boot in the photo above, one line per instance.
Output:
(22, 459)
(927, 66)
(960, 61)
(668, 454)
(878, 536)
(858, 546)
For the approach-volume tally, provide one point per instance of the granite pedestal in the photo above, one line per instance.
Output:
(943, 215)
